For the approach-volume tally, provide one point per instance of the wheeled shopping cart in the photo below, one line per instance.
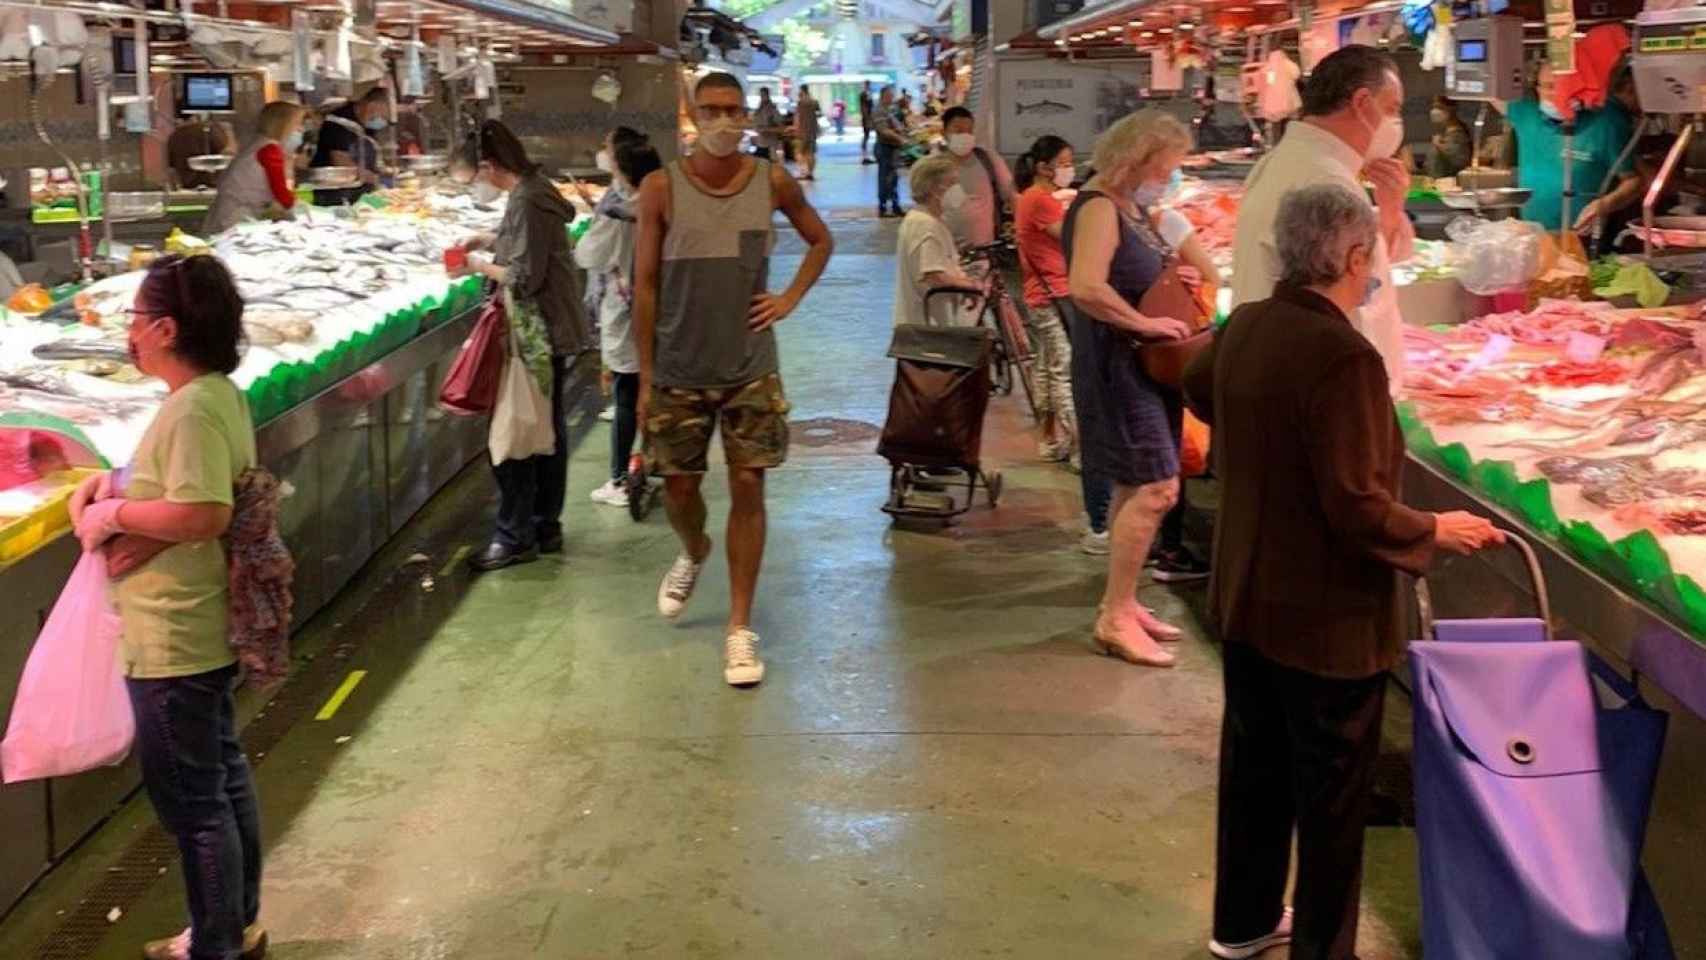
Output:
(1531, 796)
(933, 436)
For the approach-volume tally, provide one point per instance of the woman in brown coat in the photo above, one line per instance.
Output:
(1309, 542)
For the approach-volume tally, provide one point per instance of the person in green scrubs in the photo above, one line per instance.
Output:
(1538, 139)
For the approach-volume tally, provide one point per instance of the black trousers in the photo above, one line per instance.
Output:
(626, 425)
(531, 491)
(1297, 752)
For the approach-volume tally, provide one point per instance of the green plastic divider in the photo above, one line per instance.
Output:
(1637, 562)
(1534, 504)
(288, 384)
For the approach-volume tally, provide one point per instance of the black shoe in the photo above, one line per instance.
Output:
(551, 542)
(1177, 565)
(496, 556)
(867, 161)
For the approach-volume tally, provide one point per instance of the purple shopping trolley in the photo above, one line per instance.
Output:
(1532, 794)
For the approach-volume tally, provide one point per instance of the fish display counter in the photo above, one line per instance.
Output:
(1585, 426)
(351, 323)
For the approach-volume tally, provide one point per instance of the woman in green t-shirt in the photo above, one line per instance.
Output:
(172, 506)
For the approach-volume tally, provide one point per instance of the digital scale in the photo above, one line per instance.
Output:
(1486, 60)
(1486, 65)
(1668, 61)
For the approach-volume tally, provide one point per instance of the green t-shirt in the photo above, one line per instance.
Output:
(174, 607)
(1600, 137)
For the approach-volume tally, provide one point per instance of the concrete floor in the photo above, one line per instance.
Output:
(937, 766)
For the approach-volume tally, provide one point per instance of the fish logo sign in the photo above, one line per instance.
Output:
(1047, 108)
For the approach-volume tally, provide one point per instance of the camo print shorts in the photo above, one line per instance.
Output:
(680, 421)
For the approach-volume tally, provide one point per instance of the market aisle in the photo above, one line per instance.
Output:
(536, 766)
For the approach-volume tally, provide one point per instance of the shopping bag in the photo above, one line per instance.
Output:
(1193, 447)
(521, 421)
(72, 712)
(471, 386)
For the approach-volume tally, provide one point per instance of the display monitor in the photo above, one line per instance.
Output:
(206, 93)
(1472, 51)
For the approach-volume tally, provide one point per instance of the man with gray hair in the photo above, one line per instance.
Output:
(1349, 130)
(1310, 539)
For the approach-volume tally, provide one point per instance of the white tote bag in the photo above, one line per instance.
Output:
(72, 712)
(521, 419)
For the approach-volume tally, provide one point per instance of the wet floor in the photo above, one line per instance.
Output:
(535, 765)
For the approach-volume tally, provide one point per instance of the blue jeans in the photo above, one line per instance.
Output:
(199, 782)
(888, 176)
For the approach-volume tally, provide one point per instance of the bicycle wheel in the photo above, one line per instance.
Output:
(1000, 358)
(1028, 379)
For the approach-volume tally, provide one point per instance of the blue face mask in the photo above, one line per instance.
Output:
(1551, 111)
(1149, 194)
(1368, 293)
(293, 142)
(1175, 181)
(377, 124)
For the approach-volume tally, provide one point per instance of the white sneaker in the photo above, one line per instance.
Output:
(1244, 951)
(612, 494)
(1093, 543)
(1054, 451)
(741, 666)
(677, 586)
(608, 414)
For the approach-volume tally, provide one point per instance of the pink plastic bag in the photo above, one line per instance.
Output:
(72, 712)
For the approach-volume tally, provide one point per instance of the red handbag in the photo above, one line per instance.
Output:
(471, 386)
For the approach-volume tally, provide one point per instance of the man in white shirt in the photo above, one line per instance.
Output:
(1348, 131)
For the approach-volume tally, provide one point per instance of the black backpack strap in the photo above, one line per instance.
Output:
(994, 185)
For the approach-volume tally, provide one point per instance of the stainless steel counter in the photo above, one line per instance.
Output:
(1621, 629)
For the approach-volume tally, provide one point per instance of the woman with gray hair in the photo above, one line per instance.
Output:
(1309, 542)
(925, 254)
(1126, 433)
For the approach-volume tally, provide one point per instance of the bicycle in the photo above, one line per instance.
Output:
(1004, 314)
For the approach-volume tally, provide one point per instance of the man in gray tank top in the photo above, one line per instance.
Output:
(703, 319)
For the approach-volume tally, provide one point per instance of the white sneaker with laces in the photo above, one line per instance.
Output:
(612, 494)
(677, 586)
(1093, 543)
(1254, 948)
(608, 414)
(741, 666)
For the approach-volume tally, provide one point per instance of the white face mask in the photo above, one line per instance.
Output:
(603, 161)
(960, 144)
(720, 137)
(954, 197)
(1063, 176)
(485, 192)
(1388, 136)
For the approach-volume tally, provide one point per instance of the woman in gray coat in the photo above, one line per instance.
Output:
(533, 268)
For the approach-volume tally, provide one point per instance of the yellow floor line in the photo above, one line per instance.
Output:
(460, 555)
(342, 694)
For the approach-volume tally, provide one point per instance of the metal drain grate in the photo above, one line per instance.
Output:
(832, 432)
(155, 853)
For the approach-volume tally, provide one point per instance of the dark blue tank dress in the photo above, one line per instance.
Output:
(1125, 429)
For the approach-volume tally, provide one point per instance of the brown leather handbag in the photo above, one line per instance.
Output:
(1164, 361)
